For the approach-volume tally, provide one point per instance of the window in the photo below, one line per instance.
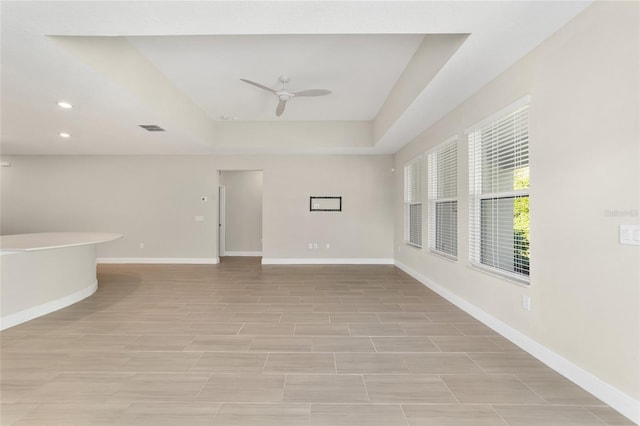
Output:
(499, 193)
(443, 202)
(413, 203)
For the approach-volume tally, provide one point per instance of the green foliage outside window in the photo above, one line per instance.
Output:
(521, 221)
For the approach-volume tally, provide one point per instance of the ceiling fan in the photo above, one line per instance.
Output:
(284, 95)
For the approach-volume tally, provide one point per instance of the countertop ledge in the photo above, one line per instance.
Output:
(51, 240)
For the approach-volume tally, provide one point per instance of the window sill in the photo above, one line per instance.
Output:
(522, 282)
(444, 256)
(413, 246)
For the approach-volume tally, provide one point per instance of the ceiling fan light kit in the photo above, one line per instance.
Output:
(284, 95)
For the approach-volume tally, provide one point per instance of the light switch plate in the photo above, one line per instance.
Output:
(630, 235)
(526, 302)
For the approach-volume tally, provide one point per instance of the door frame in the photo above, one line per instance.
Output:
(221, 220)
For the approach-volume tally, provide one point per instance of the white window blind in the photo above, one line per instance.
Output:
(443, 199)
(413, 203)
(499, 195)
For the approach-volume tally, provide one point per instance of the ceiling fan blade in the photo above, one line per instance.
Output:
(280, 107)
(313, 92)
(258, 85)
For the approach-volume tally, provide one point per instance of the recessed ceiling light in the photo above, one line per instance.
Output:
(65, 135)
(65, 105)
(228, 118)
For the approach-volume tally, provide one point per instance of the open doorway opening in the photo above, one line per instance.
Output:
(240, 227)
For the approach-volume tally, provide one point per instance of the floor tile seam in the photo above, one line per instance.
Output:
(375, 348)
(475, 363)
(404, 415)
(538, 405)
(449, 389)
(613, 424)
(240, 329)
(366, 389)
(299, 373)
(532, 389)
(498, 413)
(586, 407)
(391, 404)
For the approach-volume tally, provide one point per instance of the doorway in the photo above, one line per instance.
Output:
(240, 202)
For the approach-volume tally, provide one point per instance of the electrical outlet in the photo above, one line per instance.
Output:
(199, 218)
(310, 246)
(328, 245)
(526, 302)
(315, 246)
(141, 245)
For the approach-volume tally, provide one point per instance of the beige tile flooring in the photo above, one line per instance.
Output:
(243, 344)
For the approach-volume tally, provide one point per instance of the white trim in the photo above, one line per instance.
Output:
(415, 159)
(222, 217)
(243, 253)
(326, 261)
(447, 141)
(612, 396)
(47, 308)
(443, 255)
(500, 274)
(174, 260)
(500, 114)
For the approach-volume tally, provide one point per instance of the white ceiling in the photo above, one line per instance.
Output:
(394, 68)
(360, 70)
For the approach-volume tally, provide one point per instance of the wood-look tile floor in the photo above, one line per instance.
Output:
(243, 344)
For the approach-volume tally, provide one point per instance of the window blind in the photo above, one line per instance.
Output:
(412, 182)
(413, 203)
(499, 195)
(442, 185)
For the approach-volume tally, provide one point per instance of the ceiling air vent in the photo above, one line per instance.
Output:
(151, 127)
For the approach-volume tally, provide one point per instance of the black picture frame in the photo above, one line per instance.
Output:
(316, 209)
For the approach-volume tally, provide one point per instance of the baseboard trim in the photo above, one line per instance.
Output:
(171, 260)
(326, 261)
(243, 253)
(46, 308)
(620, 401)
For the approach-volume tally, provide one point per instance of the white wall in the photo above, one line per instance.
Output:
(584, 88)
(151, 200)
(243, 207)
(154, 200)
(364, 228)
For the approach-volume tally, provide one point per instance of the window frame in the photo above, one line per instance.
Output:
(411, 200)
(433, 199)
(476, 196)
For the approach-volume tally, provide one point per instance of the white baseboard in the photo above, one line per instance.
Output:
(326, 261)
(612, 396)
(46, 308)
(172, 260)
(243, 253)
